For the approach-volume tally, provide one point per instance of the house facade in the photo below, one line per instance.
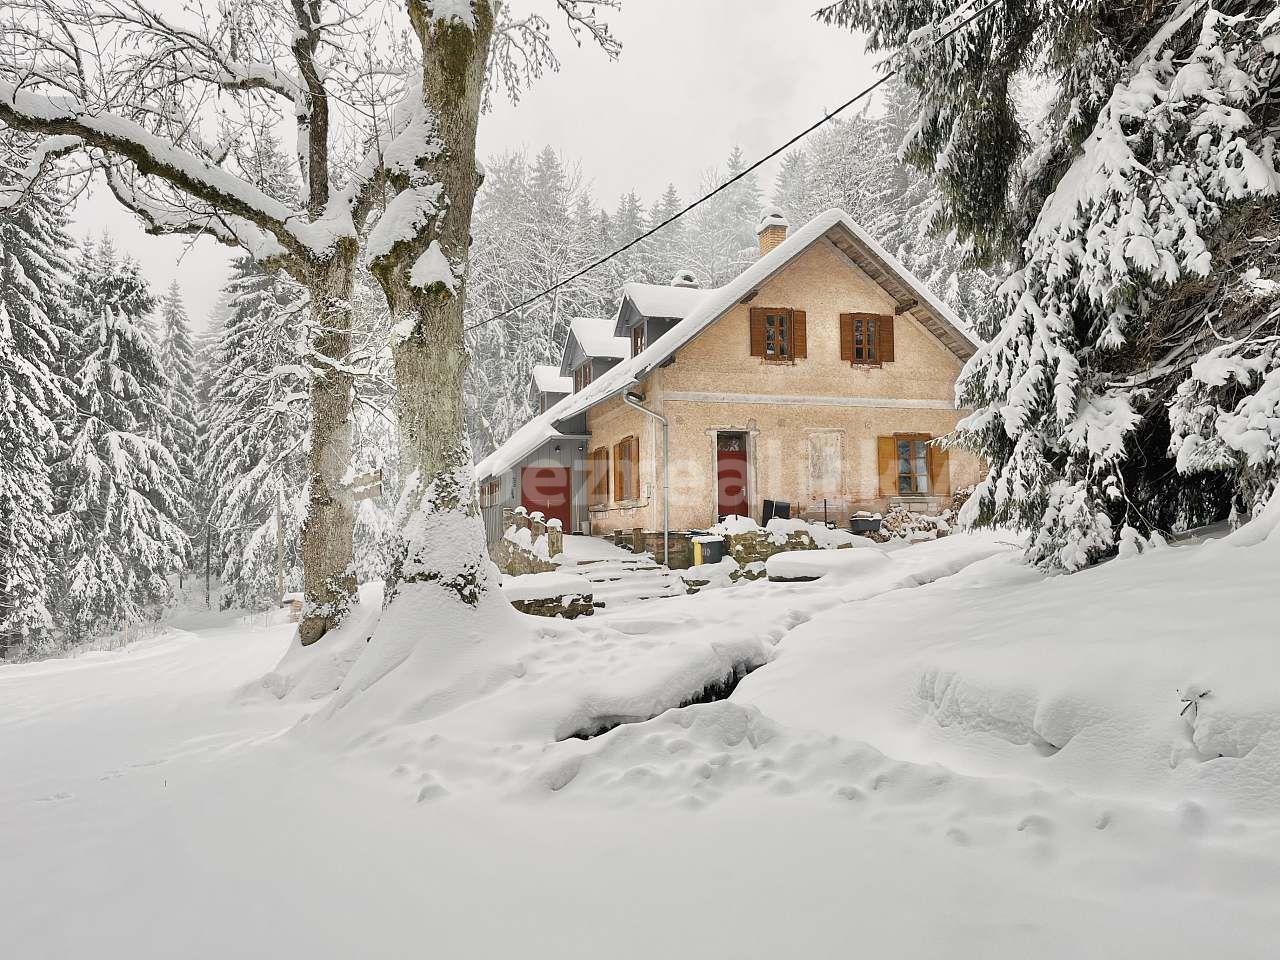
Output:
(817, 378)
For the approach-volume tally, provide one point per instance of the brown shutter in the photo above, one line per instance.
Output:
(634, 473)
(757, 331)
(887, 455)
(884, 325)
(618, 466)
(939, 472)
(846, 337)
(800, 338)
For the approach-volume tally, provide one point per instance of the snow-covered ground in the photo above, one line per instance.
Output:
(942, 753)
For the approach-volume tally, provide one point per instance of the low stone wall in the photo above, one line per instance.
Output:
(760, 546)
(650, 541)
(569, 607)
(513, 558)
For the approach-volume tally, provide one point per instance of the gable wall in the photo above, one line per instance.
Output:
(824, 284)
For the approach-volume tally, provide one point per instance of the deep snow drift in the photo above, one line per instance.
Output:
(942, 752)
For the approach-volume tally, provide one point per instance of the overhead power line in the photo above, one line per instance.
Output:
(861, 94)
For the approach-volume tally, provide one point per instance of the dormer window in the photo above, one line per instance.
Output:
(581, 377)
(638, 339)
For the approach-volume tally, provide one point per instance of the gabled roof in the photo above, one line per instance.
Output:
(595, 337)
(663, 301)
(914, 299)
(547, 379)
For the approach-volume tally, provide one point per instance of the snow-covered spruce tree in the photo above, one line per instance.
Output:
(177, 432)
(118, 489)
(254, 452)
(1131, 271)
(534, 225)
(721, 233)
(33, 274)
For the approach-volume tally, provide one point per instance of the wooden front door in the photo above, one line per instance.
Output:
(547, 490)
(731, 475)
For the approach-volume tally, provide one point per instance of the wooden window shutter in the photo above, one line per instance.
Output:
(939, 471)
(619, 488)
(634, 470)
(884, 326)
(846, 337)
(757, 331)
(887, 458)
(599, 486)
(799, 337)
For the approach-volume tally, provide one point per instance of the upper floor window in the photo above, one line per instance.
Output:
(582, 376)
(637, 339)
(866, 338)
(778, 333)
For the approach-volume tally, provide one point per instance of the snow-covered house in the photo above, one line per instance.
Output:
(816, 377)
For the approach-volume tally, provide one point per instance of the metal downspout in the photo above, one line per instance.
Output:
(632, 401)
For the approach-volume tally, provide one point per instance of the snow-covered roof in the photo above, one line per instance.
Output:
(523, 442)
(547, 379)
(833, 224)
(595, 336)
(660, 300)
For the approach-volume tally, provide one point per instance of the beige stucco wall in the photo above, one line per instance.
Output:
(716, 385)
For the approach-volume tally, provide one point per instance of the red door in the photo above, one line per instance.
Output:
(731, 475)
(546, 489)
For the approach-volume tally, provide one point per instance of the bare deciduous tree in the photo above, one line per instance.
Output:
(178, 115)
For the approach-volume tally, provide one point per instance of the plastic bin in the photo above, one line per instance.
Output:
(707, 549)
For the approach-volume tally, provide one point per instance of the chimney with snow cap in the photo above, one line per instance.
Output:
(772, 229)
(685, 278)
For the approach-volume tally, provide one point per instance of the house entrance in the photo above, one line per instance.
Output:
(547, 489)
(731, 475)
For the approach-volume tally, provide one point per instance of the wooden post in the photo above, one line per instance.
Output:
(279, 549)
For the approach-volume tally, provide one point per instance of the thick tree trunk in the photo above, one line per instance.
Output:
(327, 531)
(430, 360)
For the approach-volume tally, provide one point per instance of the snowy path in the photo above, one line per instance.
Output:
(146, 810)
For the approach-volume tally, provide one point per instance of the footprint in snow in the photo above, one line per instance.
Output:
(56, 797)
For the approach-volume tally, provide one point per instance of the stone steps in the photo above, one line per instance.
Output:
(618, 582)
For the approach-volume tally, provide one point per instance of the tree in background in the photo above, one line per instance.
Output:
(177, 358)
(534, 225)
(33, 400)
(253, 460)
(854, 164)
(1129, 375)
(119, 489)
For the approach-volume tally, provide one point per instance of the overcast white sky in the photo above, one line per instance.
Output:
(695, 78)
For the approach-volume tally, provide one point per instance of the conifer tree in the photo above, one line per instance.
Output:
(33, 274)
(254, 457)
(1129, 372)
(177, 359)
(120, 489)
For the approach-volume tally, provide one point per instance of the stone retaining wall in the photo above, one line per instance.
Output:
(568, 607)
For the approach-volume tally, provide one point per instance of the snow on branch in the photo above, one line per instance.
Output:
(47, 150)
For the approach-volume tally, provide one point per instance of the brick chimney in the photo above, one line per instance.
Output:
(772, 229)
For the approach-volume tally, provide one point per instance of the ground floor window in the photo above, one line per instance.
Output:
(913, 466)
(626, 469)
